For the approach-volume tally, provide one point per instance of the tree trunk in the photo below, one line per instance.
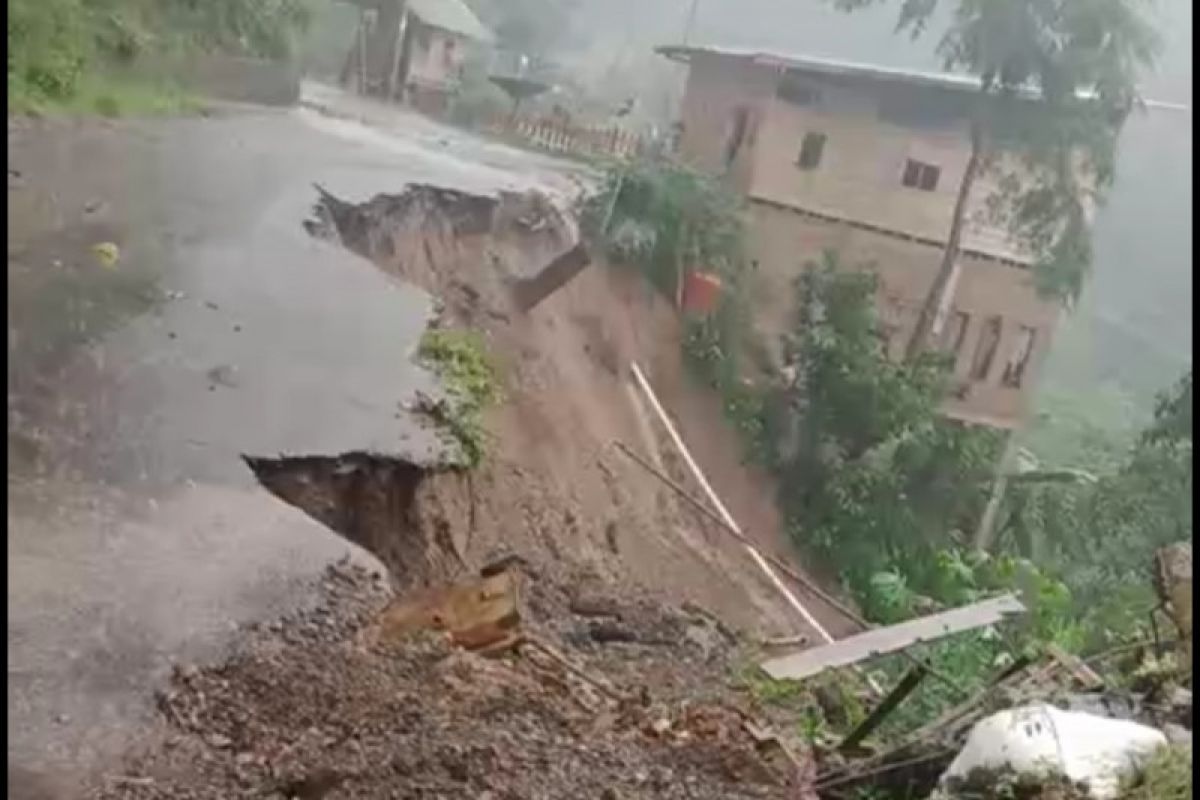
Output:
(928, 323)
(987, 525)
(529, 292)
(383, 45)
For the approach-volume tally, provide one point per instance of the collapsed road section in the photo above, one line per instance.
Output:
(512, 270)
(550, 566)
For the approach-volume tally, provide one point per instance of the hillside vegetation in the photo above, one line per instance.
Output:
(878, 487)
(99, 56)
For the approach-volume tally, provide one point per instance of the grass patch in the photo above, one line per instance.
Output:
(1167, 776)
(105, 56)
(105, 95)
(460, 358)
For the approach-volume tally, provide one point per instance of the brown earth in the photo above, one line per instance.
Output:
(308, 708)
(553, 488)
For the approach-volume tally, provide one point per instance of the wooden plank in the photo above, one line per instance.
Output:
(477, 614)
(881, 641)
(1087, 677)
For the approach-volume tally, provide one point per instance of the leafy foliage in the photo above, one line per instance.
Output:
(1057, 80)
(1167, 776)
(1102, 536)
(1172, 426)
(461, 360)
(873, 478)
(665, 217)
(48, 47)
(879, 485)
(54, 44)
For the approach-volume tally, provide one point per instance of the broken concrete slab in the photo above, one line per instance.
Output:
(881, 641)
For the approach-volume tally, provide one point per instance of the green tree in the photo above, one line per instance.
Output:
(872, 477)
(1101, 536)
(1057, 80)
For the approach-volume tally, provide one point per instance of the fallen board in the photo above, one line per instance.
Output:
(880, 641)
(478, 614)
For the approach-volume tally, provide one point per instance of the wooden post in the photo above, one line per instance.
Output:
(895, 697)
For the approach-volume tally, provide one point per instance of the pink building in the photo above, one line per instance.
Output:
(867, 161)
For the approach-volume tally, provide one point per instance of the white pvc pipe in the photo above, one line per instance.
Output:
(725, 515)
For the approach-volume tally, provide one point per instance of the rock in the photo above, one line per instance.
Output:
(219, 741)
(1177, 734)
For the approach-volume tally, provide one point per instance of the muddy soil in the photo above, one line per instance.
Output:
(310, 707)
(553, 488)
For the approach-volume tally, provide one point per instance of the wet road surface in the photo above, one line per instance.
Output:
(136, 535)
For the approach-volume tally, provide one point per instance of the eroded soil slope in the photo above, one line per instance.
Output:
(655, 610)
(554, 489)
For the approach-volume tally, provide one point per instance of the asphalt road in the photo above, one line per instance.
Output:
(136, 535)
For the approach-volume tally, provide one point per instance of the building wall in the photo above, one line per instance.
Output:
(783, 241)
(854, 201)
(717, 87)
(871, 132)
(436, 57)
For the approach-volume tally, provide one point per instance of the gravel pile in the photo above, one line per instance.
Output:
(626, 699)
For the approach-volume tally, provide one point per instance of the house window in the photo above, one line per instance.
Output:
(795, 91)
(811, 150)
(919, 175)
(985, 350)
(1018, 360)
(737, 133)
(956, 333)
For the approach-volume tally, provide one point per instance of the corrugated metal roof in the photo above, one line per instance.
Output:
(829, 66)
(450, 15)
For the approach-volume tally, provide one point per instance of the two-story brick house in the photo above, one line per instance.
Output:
(867, 161)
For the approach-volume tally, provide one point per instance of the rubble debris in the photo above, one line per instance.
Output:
(880, 641)
(311, 706)
(595, 606)
(913, 765)
(1087, 678)
(797, 640)
(480, 614)
(1173, 582)
(1009, 783)
(609, 631)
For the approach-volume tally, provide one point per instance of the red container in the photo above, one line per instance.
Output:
(701, 291)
